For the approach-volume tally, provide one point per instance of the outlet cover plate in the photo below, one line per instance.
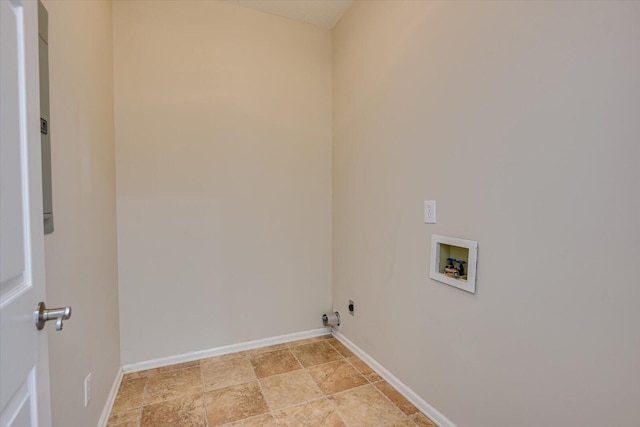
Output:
(430, 212)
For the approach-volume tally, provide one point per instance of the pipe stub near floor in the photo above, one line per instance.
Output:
(332, 319)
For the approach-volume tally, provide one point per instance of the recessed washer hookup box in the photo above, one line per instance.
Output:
(453, 261)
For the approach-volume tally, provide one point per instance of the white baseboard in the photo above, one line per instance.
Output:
(104, 417)
(419, 402)
(227, 349)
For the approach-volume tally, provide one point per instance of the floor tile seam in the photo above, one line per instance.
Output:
(256, 352)
(298, 344)
(273, 411)
(267, 352)
(139, 408)
(167, 369)
(121, 410)
(295, 405)
(319, 364)
(320, 342)
(175, 396)
(322, 394)
(270, 412)
(241, 354)
(268, 376)
(305, 344)
(350, 389)
(144, 392)
(347, 389)
(322, 364)
(163, 381)
(255, 378)
(232, 385)
(264, 397)
(140, 416)
(283, 373)
(371, 374)
(336, 349)
(204, 399)
(391, 424)
(394, 403)
(171, 399)
(311, 340)
(207, 361)
(337, 411)
(247, 419)
(344, 359)
(325, 397)
(422, 413)
(126, 408)
(378, 390)
(361, 373)
(306, 370)
(256, 355)
(302, 368)
(246, 356)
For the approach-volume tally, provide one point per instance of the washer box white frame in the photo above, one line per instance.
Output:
(468, 285)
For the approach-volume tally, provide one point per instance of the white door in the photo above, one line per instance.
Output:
(24, 376)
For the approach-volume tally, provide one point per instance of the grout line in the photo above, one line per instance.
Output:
(394, 403)
(254, 356)
(296, 370)
(261, 390)
(379, 391)
(205, 390)
(295, 405)
(306, 370)
(302, 368)
(337, 411)
(204, 398)
(424, 408)
(245, 355)
(313, 340)
(350, 389)
(144, 394)
(362, 373)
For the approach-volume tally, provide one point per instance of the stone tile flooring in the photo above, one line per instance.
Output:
(314, 382)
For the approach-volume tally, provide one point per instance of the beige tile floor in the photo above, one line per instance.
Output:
(314, 382)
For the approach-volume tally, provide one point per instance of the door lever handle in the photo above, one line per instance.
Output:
(43, 315)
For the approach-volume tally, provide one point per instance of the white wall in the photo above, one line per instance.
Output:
(522, 120)
(81, 258)
(223, 136)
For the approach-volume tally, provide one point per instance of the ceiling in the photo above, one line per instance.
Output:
(323, 13)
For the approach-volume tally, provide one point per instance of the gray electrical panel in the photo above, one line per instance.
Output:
(45, 127)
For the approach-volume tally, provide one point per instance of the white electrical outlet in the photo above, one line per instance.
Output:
(87, 390)
(430, 212)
